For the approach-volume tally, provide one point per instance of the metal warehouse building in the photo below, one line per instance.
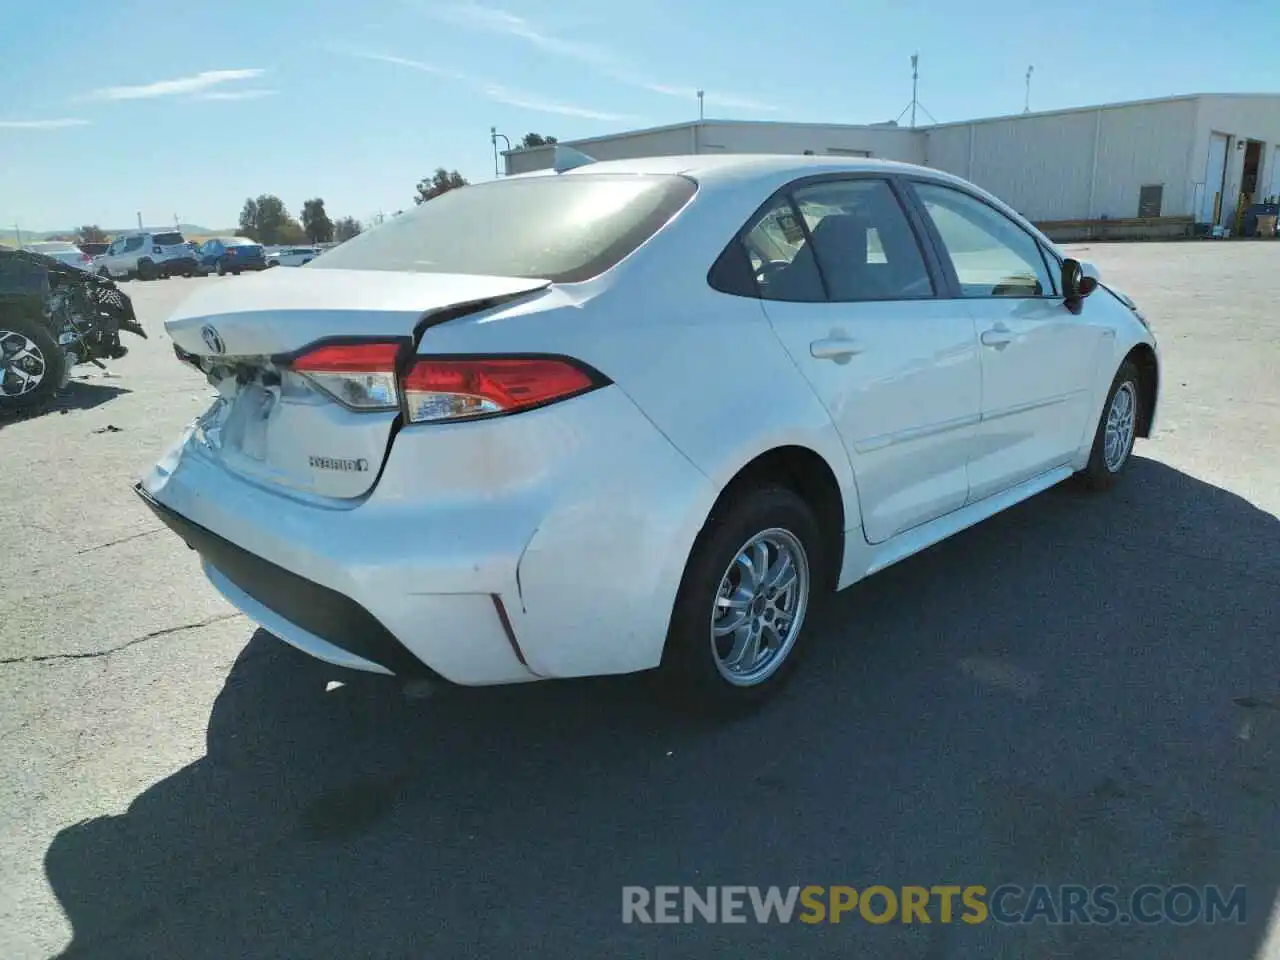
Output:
(1166, 167)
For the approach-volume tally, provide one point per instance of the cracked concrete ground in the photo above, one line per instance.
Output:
(1083, 691)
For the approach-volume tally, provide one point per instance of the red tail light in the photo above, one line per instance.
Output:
(360, 375)
(437, 389)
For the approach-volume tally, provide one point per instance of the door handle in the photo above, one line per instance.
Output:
(998, 336)
(839, 349)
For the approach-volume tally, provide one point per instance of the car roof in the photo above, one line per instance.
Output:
(741, 167)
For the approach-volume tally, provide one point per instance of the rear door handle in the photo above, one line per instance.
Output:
(839, 349)
(998, 336)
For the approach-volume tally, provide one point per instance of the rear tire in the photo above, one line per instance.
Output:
(754, 573)
(1117, 429)
(28, 350)
(219, 270)
(147, 270)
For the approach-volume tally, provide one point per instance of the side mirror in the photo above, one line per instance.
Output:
(1079, 279)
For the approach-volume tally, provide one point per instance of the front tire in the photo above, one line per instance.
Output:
(752, 577)
(1117, 430)
(32, 366)
(147, 270)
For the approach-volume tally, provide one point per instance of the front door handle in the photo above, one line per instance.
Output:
(998, 336)
(839, 349)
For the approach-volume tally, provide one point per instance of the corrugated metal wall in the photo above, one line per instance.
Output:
(887, 143)
(1046, 167)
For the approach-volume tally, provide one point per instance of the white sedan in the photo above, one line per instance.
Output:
(651, 422)
(291, 256)
(63, 252)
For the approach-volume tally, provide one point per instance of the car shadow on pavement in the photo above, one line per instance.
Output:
(76, 395)
(1080, 691)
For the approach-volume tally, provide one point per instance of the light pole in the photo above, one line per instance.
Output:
(493, 138)
(701, 114)
(1026, 108)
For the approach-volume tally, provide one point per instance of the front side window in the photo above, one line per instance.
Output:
(864, 243)
(565, 228)
(991, 255)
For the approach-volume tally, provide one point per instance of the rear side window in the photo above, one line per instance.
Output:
(864, 243)
(168, 239)
(565, 228)
(783, 265)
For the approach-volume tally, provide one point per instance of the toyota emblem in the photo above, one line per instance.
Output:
(212, 340)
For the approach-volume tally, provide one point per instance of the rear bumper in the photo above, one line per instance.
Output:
(545, 545)
(313, 609)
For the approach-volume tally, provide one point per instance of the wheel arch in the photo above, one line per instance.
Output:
(1143, 357)
(809, 475)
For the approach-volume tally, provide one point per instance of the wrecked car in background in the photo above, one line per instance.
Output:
(53, 317)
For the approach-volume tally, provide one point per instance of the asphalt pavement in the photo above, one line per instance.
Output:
(1083, 690)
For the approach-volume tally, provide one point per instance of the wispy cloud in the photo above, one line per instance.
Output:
(196, 83)
(57, 124)
(236, 94)
(493, 91)
(475, 16)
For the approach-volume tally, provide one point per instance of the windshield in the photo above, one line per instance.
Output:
(559, 228)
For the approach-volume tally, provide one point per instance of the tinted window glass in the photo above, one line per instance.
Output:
(992, 256)
(133, 243)
(563, 228)
(783, 265)
(168, 239)
(864, 242)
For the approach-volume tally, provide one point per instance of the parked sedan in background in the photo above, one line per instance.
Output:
(63, 252)
(223, 255)
(651, 422)
(292, 256)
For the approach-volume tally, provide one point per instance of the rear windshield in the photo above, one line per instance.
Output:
(167, 239)
(559, 228)
(238, 242)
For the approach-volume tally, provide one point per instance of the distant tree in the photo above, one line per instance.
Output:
(346, 228)
(93, 234)
(249, 219)
(315, 222)
(267, 221)
(536, 140)
(442, 181)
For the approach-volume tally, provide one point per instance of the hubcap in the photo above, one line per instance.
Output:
(22, 366)
(1118, 435)
(760, 607)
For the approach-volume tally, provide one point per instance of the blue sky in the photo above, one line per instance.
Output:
(187, 108)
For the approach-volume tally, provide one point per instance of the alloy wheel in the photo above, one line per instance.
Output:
(22, 364)
(1117, 437)
(759, 607)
